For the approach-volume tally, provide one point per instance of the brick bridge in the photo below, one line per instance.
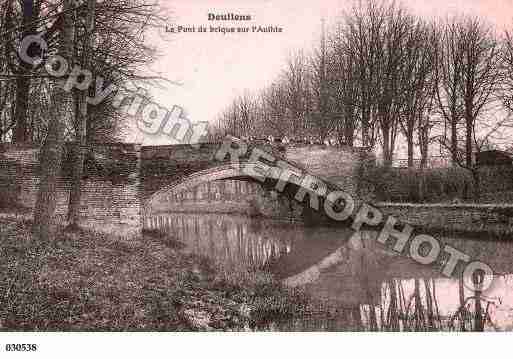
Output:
(122, 181)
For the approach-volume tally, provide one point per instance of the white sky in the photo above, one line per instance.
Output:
(214, 68)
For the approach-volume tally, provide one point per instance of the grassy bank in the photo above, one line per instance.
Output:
(89, 281)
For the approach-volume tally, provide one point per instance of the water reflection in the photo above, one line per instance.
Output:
(236, 242)
(370, 289)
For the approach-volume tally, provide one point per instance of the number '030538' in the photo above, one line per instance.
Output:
(21, 347)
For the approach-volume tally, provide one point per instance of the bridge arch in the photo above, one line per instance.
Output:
(222, 172)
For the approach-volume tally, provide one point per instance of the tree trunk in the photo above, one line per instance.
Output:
(463, 310)
(81, 128)
(20, 115)
(387, 150)
(477, 184)
(480, 319)
(429, 305)
(423, 146)
(468, 138)
(50, 157)
(79, 149)
(23, 82)
(454, 142)
(410, 148)
(349, 131)
(366, 140)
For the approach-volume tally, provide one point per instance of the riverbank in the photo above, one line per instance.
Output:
(493, 221)
(91, 281)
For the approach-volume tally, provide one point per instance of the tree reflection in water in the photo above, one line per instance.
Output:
(368, 291)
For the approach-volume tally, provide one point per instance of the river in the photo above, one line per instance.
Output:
(370, 289)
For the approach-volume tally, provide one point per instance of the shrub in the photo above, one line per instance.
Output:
(416, 185)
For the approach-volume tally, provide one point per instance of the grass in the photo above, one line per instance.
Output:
(88, 281)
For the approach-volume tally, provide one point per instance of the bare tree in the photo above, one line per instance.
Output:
(419, 79)
(51, 153)
(30, 10)
(343, 78)
(469, 68)
(481, 74)
(507, 71)
(246, 108)
(363, 27)
(322, 120)
(81, 123)
(296, 80)
(449, 74)
(275, 98)
(7, 85)
(390, 45)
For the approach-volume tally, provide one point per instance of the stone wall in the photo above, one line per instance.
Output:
(492, 219)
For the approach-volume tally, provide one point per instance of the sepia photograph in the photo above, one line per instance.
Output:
(281, 167)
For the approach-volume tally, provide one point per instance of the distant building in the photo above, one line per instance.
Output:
(493, 158)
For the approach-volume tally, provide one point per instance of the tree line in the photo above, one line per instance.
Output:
(107, 38)
(379, 73)
(115, 48)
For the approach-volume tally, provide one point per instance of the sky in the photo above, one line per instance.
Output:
(213, 68)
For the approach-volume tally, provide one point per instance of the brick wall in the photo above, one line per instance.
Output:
(339, 165)
(110, 187)
(8, 183)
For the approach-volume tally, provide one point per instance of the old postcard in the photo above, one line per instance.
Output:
(256, 166)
